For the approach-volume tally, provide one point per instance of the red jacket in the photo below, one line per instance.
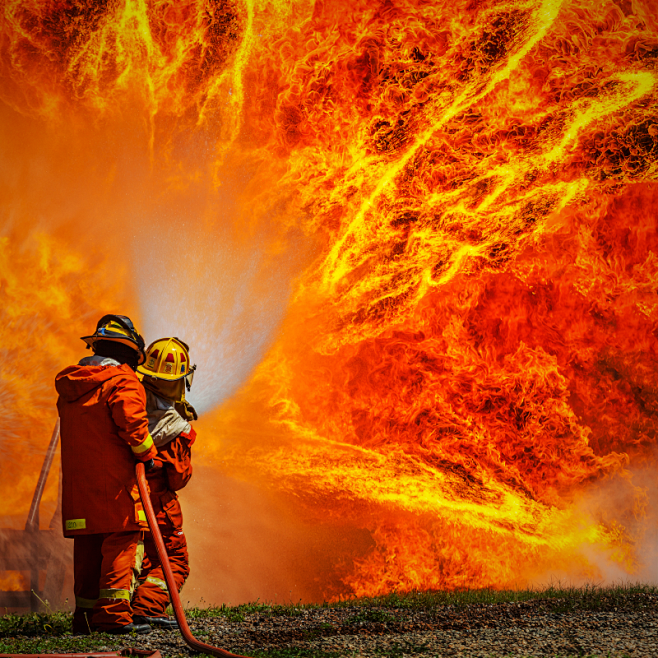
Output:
(175, 459)
(103, 429)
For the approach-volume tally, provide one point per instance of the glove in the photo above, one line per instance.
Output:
(149, 465)
(186, 410)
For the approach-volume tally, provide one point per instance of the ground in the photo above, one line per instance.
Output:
(623, 624)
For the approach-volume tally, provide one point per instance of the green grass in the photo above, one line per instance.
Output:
(556, 597)
(62, 644)
(231, 613)
(51, 632)
(238, 612)
(33, 624)
(589, 597)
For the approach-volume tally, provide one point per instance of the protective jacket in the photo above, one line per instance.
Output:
(104, 429)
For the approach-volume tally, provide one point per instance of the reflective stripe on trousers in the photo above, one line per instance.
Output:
(114, 594)
(137, 569)
(157, 581)
(85, 603)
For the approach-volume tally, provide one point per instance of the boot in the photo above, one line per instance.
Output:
(164, 623)
(140, 629)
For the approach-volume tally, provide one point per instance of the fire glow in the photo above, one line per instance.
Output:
(13, 581)
(424, 232)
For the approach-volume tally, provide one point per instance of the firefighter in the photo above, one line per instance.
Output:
(167, 373)
(104, 430)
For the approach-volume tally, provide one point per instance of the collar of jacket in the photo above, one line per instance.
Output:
(78, 380)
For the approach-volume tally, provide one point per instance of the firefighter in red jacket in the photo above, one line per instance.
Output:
(167, 372)
(104, 430)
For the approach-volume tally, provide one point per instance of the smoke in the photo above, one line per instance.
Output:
(625, 504)
(249, 545)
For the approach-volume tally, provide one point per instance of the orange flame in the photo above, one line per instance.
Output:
(453, 206)
(14, 581)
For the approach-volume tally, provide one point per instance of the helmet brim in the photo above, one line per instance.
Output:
(92, 340)
(166, 378)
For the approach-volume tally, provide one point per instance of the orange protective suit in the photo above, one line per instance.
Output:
(104, 429)
(152, 595)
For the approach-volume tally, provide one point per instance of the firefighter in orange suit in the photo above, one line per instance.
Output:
(167, 372)
(104, 430)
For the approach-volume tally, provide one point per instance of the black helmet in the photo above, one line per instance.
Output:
(120, 329)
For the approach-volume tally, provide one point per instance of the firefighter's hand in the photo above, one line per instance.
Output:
(149, 465)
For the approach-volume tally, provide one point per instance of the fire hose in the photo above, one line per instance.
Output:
(191, 641)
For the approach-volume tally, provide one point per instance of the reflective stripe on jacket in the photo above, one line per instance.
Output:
(104, 430)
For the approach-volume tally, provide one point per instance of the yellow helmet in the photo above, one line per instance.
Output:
(120, 329)
(168, 359)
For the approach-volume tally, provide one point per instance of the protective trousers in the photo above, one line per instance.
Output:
(105, 570)
(152, 595)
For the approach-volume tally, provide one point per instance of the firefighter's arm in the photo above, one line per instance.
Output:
(127, 404)
(178, 458)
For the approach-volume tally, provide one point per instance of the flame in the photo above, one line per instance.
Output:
(14, 581)
(422, 237)
(46, 293)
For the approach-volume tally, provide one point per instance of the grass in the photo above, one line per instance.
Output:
(51, 632)
(589, 597)
(558, 598)
(61, 644)
(35, 623)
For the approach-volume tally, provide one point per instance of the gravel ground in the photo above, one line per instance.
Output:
(533, 628)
